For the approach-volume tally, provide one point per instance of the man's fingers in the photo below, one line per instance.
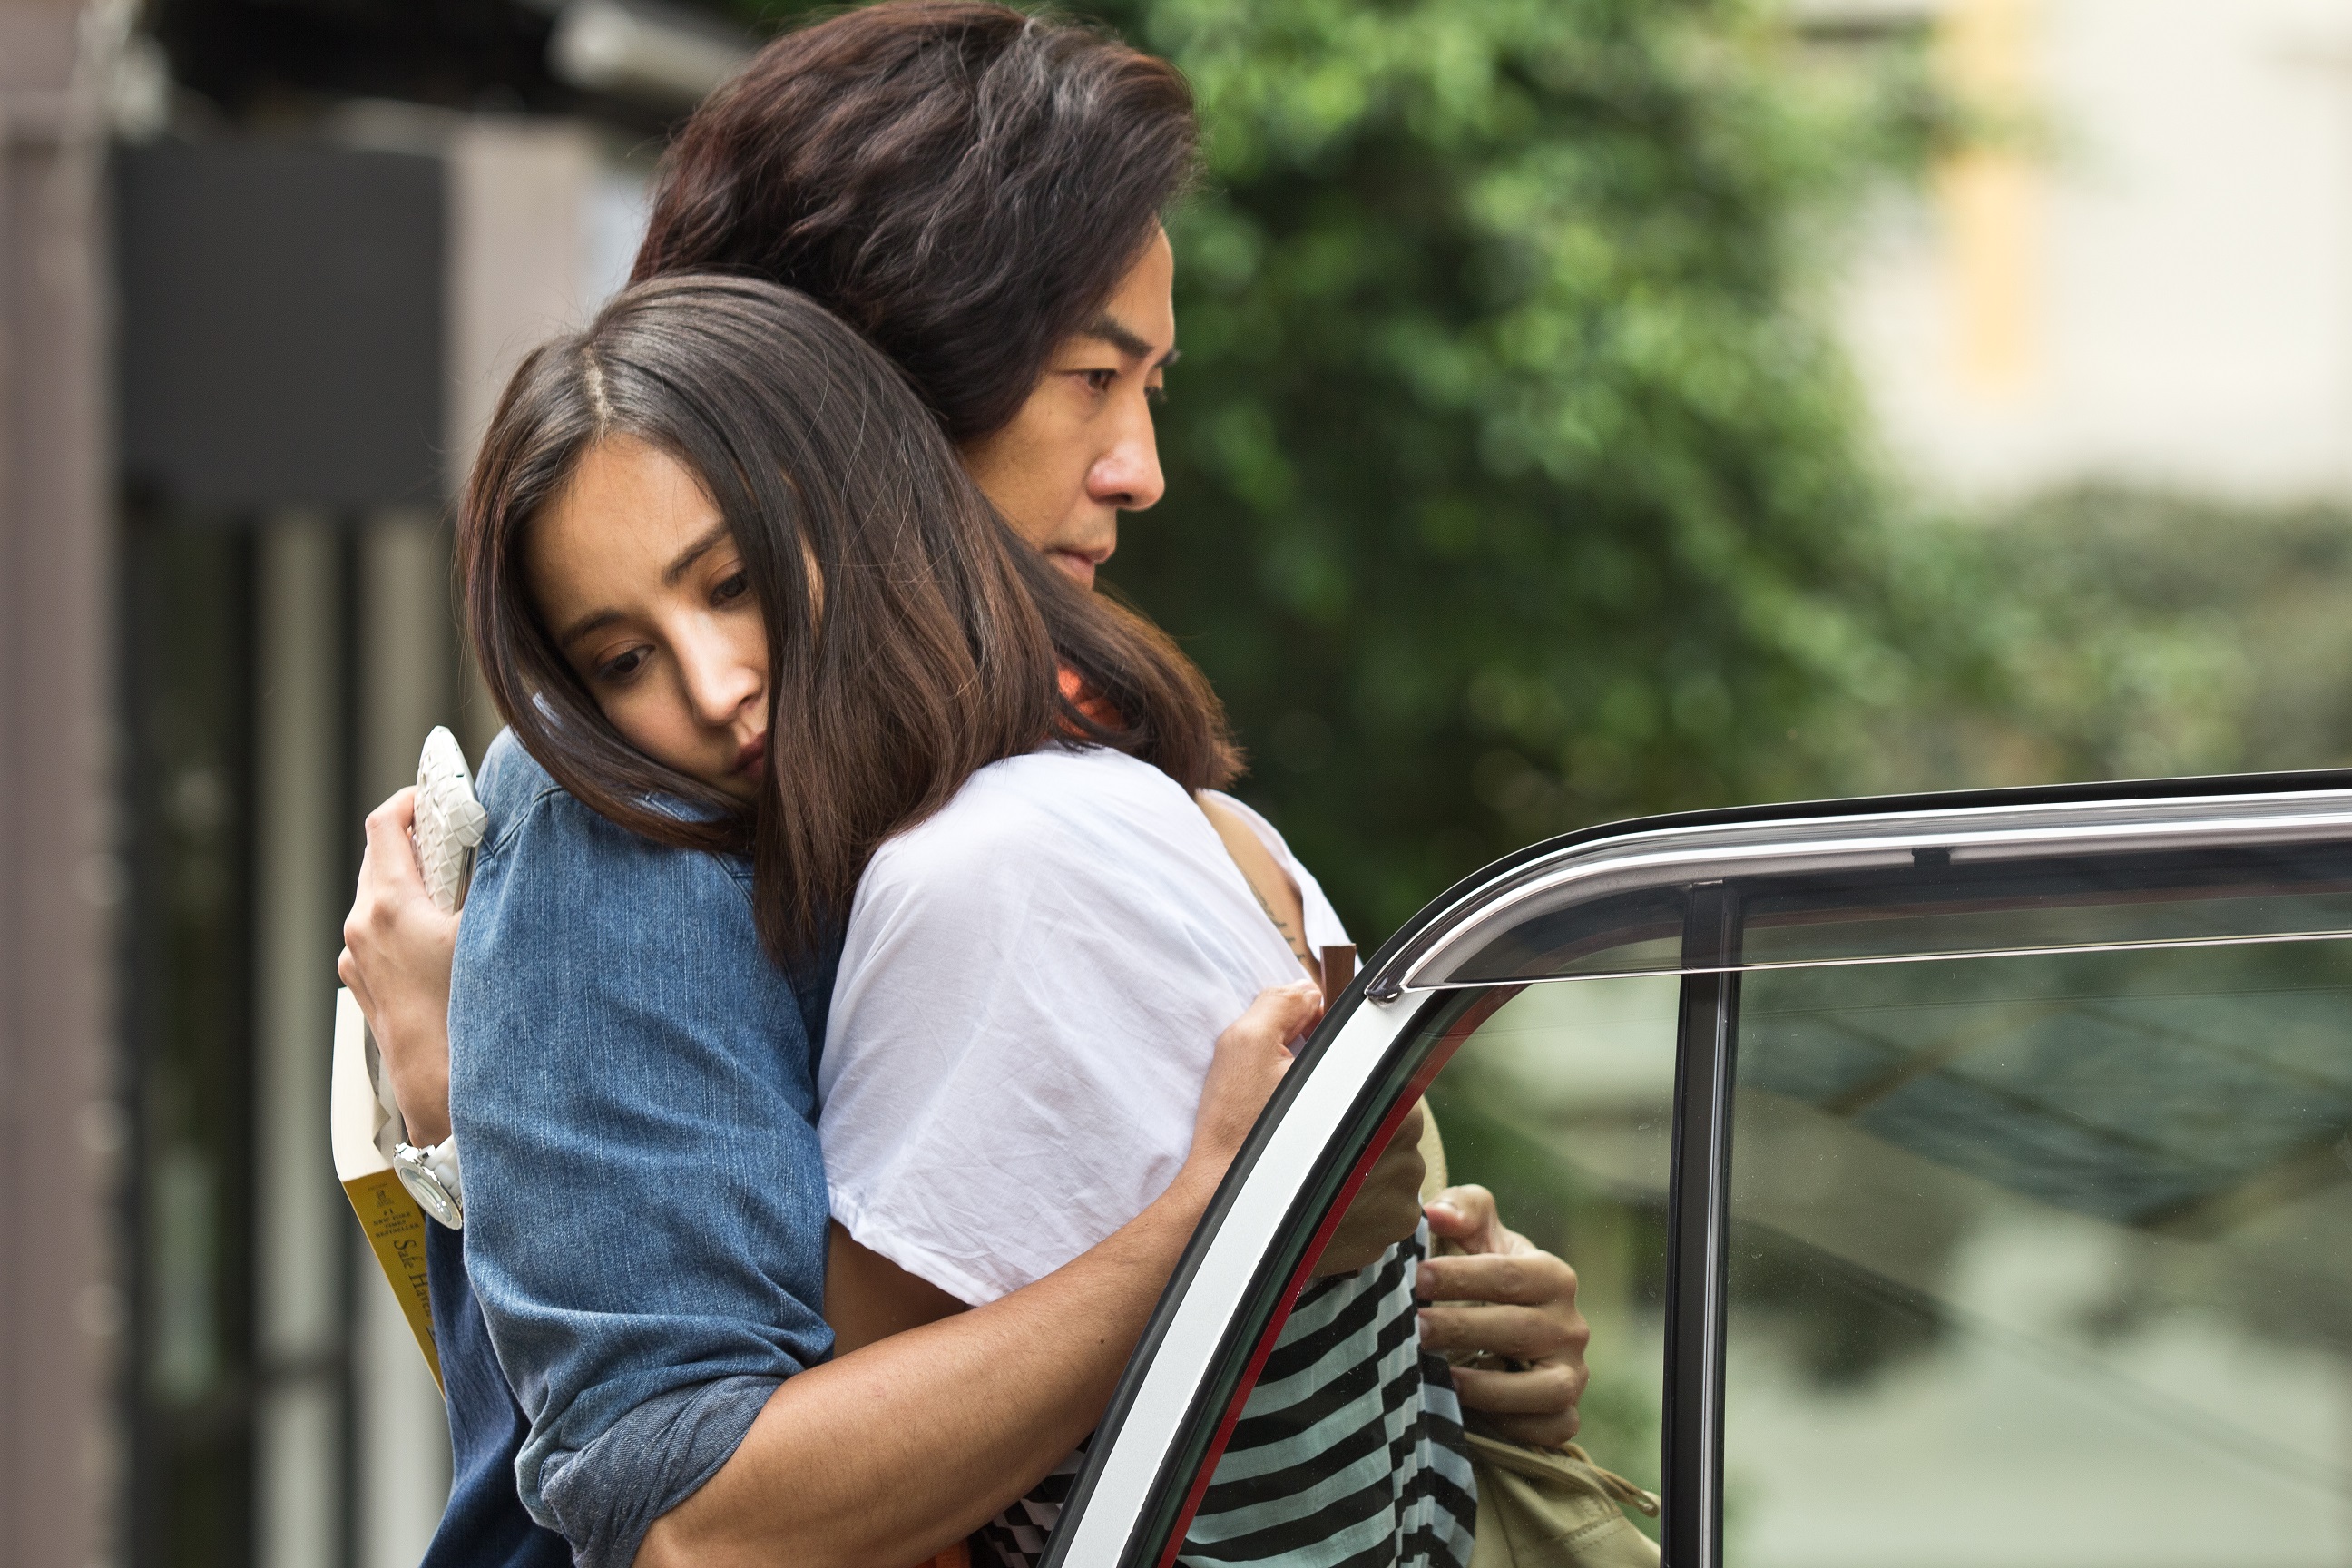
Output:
(1535, 1431)
(1288, 1012)
(1524, 1278)
(1464, 1215)
(1547, 1389)
(1522, 1333)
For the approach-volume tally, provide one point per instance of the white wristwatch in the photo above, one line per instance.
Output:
(432, 1178)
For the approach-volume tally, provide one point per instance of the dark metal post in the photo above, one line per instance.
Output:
(1697, 1210)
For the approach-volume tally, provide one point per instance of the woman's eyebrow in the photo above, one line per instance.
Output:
(694, 552)
(1109, 328)
(597, 621)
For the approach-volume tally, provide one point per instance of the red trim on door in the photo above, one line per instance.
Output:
(1447, 1044)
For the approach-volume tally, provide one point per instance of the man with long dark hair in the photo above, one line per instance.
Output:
(978, 193)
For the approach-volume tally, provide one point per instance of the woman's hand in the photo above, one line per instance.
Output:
(397, 951)
(1252, 1056)
(1520, 1303)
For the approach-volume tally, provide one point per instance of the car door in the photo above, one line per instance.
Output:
(1957, 1182)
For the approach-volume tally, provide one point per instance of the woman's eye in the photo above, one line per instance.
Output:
(1100, 380)
(733, 587)
(622, 666)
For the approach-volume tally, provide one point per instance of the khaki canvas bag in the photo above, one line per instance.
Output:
(1554, 1507)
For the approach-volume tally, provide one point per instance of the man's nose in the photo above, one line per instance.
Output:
(1127, 475)
(718, 680)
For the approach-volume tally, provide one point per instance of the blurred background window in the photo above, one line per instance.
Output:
(335, 230)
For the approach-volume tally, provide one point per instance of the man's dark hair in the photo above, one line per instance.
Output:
(912, 637)
(963, 183)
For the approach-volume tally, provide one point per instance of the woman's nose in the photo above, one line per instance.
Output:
(720, 678)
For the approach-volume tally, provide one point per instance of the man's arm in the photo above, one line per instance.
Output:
(907, 1444)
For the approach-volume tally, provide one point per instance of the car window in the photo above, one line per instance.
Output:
(1558, 1098)
(1946, 1186)
(2091, 901)
(2042, 1259)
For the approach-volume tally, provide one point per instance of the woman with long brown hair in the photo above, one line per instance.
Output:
(741, 606)
(718, 477)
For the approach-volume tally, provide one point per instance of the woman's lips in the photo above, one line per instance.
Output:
(752, 760)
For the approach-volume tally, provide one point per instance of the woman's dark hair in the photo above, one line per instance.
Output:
(963, 183)
(912, 637)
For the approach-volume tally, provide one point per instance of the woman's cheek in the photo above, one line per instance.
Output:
(640, 722)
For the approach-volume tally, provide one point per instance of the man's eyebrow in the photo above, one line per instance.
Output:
(694, 552)
(1109, 328)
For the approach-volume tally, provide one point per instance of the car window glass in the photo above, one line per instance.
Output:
(2042, 1259)
(1561, 1104)
(1556, 1099)
(2111, 901)
(1630, 933)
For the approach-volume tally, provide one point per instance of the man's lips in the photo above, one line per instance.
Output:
(1079, 563)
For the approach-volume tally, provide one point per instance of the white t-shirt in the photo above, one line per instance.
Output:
(1030, 993)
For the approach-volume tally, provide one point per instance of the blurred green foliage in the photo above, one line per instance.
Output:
(1515, 479)
(2114, 634)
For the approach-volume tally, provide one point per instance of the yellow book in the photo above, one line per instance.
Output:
(363, 1120)
(364, 1127)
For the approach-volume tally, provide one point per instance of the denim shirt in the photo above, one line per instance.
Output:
(483, 1524)
(633, 1083)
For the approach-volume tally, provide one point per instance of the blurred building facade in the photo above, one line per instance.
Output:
(263, 267)
(2143, 277)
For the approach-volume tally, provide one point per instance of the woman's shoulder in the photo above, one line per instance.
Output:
(1036, 814)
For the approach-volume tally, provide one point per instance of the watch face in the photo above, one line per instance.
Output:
(430, 1194)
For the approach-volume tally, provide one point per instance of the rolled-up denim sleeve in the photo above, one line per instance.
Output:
(631, 1085)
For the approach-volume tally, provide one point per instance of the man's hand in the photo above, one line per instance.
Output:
(1520, 1303)
(397, 951)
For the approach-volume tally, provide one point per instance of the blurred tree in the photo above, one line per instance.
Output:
(2120, 634)
(1515, 479)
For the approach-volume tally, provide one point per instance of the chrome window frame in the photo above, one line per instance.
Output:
(1323, 1116)
(1676, 857)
